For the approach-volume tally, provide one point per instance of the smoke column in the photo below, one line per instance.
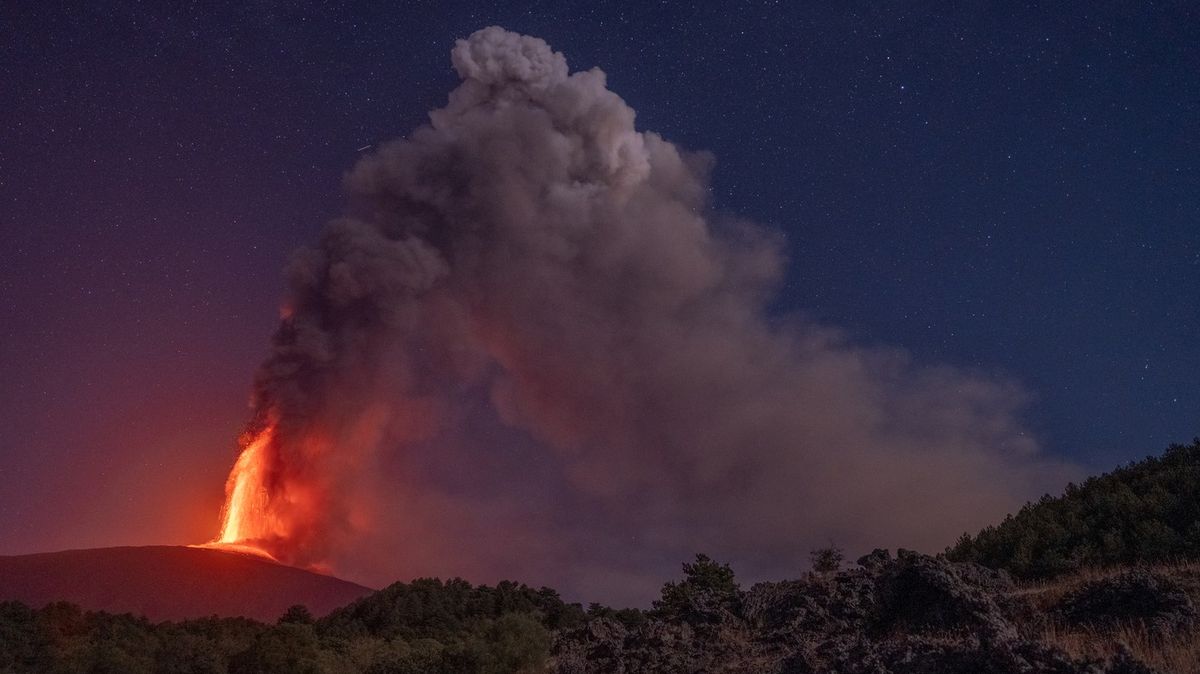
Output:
(530, 349)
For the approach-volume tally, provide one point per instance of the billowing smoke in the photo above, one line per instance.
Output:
(530, 349)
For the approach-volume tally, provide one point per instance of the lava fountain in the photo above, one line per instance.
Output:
(247, 521)
(276, 508)
(245, 515)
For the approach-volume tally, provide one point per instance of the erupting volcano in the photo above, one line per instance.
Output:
(531, 339)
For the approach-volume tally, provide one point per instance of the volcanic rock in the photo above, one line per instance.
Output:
(909, 614)
(1133, 597)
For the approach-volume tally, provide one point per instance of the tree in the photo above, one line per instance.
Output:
(298, 614)
(514, 642)
(707, 594)
(184, 653)
(826, 561)
(1146, 511)
(287, 648)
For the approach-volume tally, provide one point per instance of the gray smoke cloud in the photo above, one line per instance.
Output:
(531, 350)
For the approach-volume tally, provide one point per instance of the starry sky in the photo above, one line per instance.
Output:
(1007, 187)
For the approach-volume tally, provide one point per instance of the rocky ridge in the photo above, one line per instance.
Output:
(907, 614)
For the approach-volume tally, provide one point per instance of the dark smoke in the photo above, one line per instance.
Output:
(531, 350)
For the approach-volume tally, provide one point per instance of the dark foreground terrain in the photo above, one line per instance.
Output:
(902, 614)
(907, 614)
(1101, 580)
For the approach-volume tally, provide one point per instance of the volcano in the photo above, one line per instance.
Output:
(171, 583)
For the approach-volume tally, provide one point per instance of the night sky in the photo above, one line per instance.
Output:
(1005, 187)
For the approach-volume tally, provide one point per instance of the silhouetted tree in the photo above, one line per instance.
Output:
(826, 560)
(298, 614)
(705, 595)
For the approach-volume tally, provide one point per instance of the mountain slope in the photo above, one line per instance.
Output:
(1148, 511)
(171, 583)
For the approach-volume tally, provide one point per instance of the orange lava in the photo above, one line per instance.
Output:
(245, 497)
(276, 502)
(244, 548)
(246, 516)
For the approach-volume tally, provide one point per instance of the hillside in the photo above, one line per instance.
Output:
(170, 583)
(1102, 587)
(1147, 511)
(901, 614)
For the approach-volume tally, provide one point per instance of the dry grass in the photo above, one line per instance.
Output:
(1173, 655)
(1048, 592)
(1177, 654)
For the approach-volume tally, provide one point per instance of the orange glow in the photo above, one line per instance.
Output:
(245, 496)
(273, 508)
(246, 519)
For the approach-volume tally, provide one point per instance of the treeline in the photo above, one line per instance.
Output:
(1147, 511)
(425, 626)
(408, 628)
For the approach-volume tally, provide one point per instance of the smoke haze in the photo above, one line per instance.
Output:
(531, 350)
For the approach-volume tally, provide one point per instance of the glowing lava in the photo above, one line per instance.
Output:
(246, 519)
(245, 498)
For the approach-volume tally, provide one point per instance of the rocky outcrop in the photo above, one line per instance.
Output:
(1137, 597)
(917, 593)
(908, 614)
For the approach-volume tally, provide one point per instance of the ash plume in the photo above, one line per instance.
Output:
(531, 349)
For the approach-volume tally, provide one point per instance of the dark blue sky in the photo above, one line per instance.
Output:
(1004, 186)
